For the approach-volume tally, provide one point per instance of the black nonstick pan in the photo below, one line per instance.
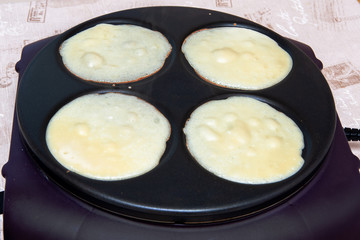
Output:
(178, 190)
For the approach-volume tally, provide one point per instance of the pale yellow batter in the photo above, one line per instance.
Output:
(108, 136)
(115, 53)
(237, 57)
(244, 140)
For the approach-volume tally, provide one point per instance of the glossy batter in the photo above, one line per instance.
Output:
(237, 57)
(108, 136)
(244, 140)
(115, 53)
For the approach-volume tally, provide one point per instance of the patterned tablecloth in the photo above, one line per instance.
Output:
(330, 27)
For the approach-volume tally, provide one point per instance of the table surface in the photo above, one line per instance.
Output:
(330, 27)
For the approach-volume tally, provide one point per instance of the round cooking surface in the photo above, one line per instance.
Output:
(178, 190)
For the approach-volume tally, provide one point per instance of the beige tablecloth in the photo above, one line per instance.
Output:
(330, 27)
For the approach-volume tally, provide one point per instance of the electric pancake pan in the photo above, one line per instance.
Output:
(178, 190)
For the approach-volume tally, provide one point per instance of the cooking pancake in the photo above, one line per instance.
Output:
(115, 53)
(244, 140)
(237, 57)
(108, 136)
